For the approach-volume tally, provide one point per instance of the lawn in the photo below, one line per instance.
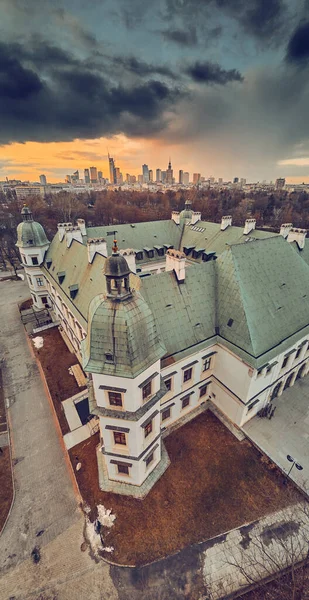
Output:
(6, 484)
(214, 483)
(56, 358)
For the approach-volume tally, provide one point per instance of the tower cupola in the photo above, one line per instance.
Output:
(117, 273)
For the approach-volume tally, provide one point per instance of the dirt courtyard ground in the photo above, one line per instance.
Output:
(214, 483)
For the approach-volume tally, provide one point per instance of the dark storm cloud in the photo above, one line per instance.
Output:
(211, 73)
(259, 18)
(47, 94)
(298, 46)
(140, 67)
(183, 37)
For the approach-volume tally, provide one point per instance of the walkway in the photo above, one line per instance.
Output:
(287, 432)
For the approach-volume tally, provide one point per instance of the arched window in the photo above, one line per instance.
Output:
(288, 381)
(301, 371)
(276, 391)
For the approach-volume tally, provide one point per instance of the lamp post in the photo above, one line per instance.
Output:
(297, 465)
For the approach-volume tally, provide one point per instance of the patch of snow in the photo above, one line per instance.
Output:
(109, 549)
(93, 537)
(78, 466)
(21, 276)
(105, 516)
(87, 509)
(38, 342)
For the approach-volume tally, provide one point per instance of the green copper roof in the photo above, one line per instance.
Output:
(122, 337)
(263, 287)
(184, 313)
(31, 234)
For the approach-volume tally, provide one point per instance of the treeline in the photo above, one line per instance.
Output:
(111, 207)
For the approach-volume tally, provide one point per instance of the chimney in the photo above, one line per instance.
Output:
(176, 216)
(61, 229)
(226, 222)
(196, 216)
(297, 235)
(129, 255)
(73, 233)
(82, 226)
(96, 245)
(285, 229)
(176, 261)
(249, 226)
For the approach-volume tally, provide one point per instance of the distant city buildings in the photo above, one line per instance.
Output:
(186, 178)
(180, 178)
(158, 176)
(196, 178)
(145, 173)
(93, 175)
(280, 183)
(43, 180)
(86, 176)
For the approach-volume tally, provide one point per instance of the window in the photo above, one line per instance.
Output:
(34, 260)
(166, 414)
(139, 256)
(115, 398)
(29, 279)
(40, 281)
(108, 355)
(44, 299)
(185, 401)
(124, 469)
(285, 362)
(148, 429)
(230, 322)
(149, 459)
(298, 352)
(259, 372)
(168, 383)
(203, 390)
(120, 438)
(146, 390)
(250, 407)
(206, 363)
(187, 375)
(24, 259)
(150, 254)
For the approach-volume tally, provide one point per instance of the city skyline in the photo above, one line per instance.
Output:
(226, 93)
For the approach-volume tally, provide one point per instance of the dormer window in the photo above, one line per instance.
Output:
(139, 255)
(109, 356)
(30, 242)
(61, 276)
(73, 290)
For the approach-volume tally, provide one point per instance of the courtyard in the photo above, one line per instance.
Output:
(287, 432)
(214, 483)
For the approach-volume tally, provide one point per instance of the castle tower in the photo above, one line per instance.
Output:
(121, 354)
(33, 244)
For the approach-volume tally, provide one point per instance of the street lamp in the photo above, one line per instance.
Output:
(297, 465)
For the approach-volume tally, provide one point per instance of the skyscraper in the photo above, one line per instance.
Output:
(100, 175)
(75, 177)
(150, 175)
(180, 180)
(163, 176)
(86, 176)
(196, 178)
(158, 175)
(140, 178)
(280, 183)
(145, 173)
(186, 178)
(112, 173)
(93, 175)
(43, 180)
(169, 173)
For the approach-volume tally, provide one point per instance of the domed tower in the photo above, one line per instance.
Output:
(33, 244)
(121, 354)
(185, 216)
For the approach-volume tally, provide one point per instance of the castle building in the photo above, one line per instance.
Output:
(175, 317)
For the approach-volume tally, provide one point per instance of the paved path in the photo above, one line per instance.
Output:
(45, 498)
(287, 432)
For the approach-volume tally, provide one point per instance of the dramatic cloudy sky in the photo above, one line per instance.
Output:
(221, 86)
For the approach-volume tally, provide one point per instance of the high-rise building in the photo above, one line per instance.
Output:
(280, 183)
(128, 178)
(180, 180)
(158, 175)
(117, 175)
(169, 173)
(220, 180)
(196, 178)
(100, 175)
(163, 176)
(145, 173)
(186, 178)
(133, 179)
(68, 178)
(150, 175)
(93, 175)
(75, 177)
(112, 174)
(86, 176)
(243, 181)
(140, 178)
(236, 180)
(43, 180)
